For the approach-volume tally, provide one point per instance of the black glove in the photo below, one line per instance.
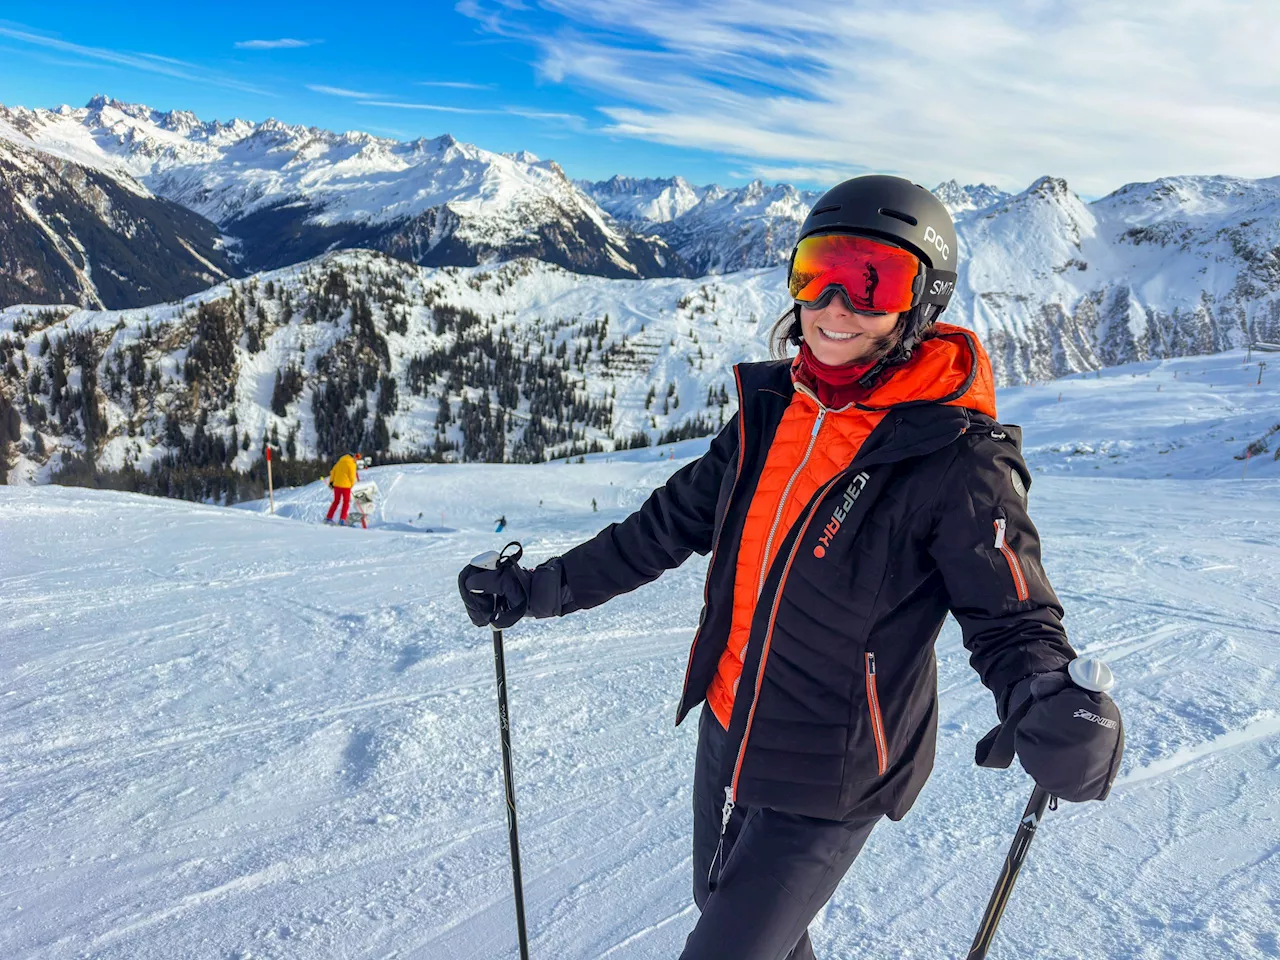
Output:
(1070, 740)
(500, 597)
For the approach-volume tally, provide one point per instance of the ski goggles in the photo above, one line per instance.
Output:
(874, 277)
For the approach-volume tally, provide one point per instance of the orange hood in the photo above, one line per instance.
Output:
(950, 367)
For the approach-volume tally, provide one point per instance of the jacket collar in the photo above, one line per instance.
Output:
(958, 392)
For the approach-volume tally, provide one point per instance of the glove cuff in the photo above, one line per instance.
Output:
(548, 593)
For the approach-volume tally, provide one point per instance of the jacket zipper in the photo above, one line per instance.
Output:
(1015, 568)
(715, 544)
(877, 721)
(786, 492)
(731, 791)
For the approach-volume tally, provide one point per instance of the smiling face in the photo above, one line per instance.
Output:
(837, 335)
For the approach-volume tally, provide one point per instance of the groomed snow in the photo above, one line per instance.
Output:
(227, 734)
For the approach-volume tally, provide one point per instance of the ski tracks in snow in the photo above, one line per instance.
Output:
(230, 735)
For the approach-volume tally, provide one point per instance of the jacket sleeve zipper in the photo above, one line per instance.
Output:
(877, 720)
(1015, 567)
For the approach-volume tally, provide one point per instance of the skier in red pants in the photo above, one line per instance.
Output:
(342, 478)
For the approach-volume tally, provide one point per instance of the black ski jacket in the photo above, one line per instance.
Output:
(836, 714)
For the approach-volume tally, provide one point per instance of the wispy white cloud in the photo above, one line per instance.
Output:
(454, 84)
(527, 113)
(568, 119)
(434, 107)
(149, 62)
(284, 43)
(1101, 91)
(342, 92)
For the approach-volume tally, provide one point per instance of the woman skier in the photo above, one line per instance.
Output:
(862, 491)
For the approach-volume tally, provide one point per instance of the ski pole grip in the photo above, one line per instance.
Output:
(493, 559)
(487, 561)
(1092, 674)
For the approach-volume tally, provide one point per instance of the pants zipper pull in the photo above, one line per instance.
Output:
(713, 874)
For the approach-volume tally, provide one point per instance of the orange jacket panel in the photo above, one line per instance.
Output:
(801, 460)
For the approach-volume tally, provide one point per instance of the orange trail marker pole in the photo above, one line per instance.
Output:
(271, 492)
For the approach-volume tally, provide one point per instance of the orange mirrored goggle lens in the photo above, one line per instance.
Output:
(875, 277)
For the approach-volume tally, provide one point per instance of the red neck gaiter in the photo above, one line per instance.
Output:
(835, 386)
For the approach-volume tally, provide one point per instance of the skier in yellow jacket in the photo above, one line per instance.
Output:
(342, 478)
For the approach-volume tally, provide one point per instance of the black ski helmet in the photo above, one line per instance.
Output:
(904, 214)
(897, 210)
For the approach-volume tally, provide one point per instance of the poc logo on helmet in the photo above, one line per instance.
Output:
(931, 237)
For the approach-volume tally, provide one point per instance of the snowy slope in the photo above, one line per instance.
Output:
(227, 734)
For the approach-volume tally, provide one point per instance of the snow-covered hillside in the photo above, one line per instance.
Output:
(288, 192)
(71, 233)
(355, 347)
(531, 361)
(228, 734)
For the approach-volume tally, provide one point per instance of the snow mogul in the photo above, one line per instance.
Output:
(862, 491)
(342, 478)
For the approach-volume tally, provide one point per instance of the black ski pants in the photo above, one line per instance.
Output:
(776, 872)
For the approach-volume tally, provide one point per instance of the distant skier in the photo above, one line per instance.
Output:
(342, 478)
(502, 524)
(862, 490)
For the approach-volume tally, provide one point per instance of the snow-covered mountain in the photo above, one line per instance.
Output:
(961, 199)
(1180, 266)
(287, 193)
(646, 200)
(1055, 284)
(72, 233)
(719, 230)
(714, 229)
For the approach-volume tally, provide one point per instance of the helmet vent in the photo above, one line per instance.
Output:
(827, 209)
(899, 215)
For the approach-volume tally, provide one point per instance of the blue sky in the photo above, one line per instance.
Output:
(1101, 92)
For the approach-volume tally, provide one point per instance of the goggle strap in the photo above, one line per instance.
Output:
(938, 287)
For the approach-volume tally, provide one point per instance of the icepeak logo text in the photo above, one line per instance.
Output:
(851, 494)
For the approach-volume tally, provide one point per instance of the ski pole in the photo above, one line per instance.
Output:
(1088, 673)
(1031, 818)
(492, 561)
